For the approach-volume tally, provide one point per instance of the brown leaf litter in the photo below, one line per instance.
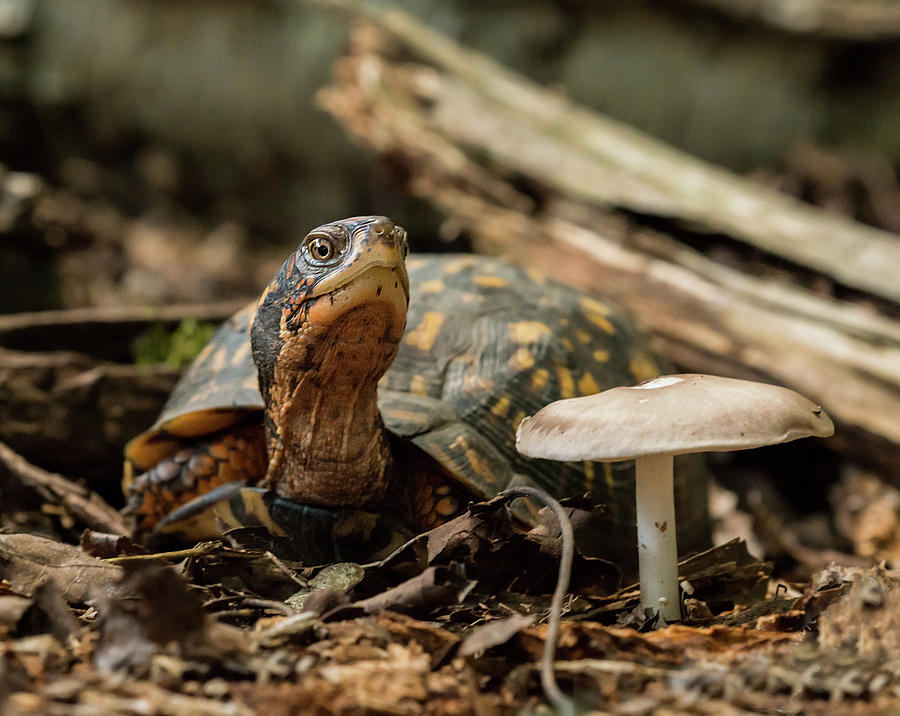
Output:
(231, 631)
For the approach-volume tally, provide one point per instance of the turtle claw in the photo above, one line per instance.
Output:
(258, 518)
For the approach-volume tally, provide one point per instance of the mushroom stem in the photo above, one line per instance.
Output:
(657, 549)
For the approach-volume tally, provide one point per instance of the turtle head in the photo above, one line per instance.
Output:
(338, 269)
(325, 330)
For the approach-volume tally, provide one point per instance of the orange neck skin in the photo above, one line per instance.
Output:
(326, 440)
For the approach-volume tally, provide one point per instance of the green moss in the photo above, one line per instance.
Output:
(176, 348)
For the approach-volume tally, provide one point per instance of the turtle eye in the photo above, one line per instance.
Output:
(321, 248)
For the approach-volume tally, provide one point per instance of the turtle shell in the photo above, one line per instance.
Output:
(218, 390)
(486, 344)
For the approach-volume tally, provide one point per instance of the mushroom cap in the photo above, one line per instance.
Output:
(672, 414)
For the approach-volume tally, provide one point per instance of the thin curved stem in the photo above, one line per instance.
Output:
(561, 702)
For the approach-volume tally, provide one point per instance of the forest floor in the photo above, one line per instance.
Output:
(453, 623)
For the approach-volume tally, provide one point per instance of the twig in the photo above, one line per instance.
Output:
(79, 329)
(12, 324)
(84, 505)
(198, 551)
(562, 703)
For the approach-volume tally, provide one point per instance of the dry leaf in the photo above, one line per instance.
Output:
(26, 561)
(494, 633)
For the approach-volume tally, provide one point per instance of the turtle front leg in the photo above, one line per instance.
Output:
(233, 455)
(261, 519)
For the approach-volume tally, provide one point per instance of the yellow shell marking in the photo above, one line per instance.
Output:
(592, 305)
(200, 422)
(582, 335)
(601, 356)
(524, 332)
(567, 344)
(477, 384)
(418, 385)
(540, 378)
(589, 474)
(219, 360)
(436, 285)
(522, 359)
(424, 335)
(405, 415)
(240, 354)
(596, 312)
(587, 385)
(204, 354)
(501, 407)
(458, 265)
(642, 367)
(479, 466)
(254, 505)
(486, 281)
(566, 382)
(144, 454)
(599, 320)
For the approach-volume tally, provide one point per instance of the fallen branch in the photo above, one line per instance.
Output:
(84, 505)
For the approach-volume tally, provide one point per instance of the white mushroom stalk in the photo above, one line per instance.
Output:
(657, 545)
(652, 422)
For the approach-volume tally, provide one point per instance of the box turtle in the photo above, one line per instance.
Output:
(365, 381)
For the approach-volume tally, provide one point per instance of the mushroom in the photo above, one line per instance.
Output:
(652, 422)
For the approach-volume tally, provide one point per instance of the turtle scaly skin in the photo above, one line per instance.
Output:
(326, 329)
(368, 405)
(235, 454)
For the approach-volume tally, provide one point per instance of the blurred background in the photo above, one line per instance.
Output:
(172, 151)
(178, 136)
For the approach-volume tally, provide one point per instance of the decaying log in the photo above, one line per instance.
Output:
(64, 403)
(73, 414)
(84, 505)
(474, 103)
(525, 172)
